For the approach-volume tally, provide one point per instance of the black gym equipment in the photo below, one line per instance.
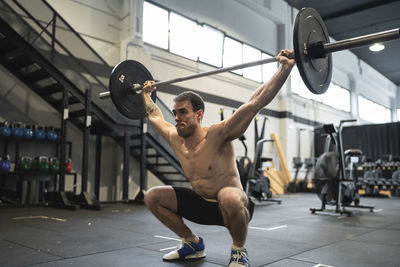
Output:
(379, 178)
(309, 165)
(254, 183)
(258, 186)
(243, 164)
(312, 53)
(332, 184)
(294, 186)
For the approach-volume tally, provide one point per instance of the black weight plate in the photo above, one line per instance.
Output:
(309, 29)
(326, 175)
(126, 100)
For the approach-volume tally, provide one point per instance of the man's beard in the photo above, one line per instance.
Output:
(186, 131)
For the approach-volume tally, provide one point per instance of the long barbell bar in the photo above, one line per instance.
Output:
(317, 50)
(138, 87)
(321, 50)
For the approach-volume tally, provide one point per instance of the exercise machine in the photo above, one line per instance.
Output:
(332, 184)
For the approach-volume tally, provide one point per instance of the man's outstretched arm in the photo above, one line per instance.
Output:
(153, 113)
(236, 125)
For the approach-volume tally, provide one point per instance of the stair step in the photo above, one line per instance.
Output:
(159, 164)
(50, 89)
(13, 54)
(77, 113)
(170, 172)
(136, 136)
(35, 76)
(6, 47)
(139, 147)
(19, 62)
(71, 101)
(153, 156)
(179, 181)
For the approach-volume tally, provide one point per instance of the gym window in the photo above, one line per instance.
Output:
(210, 45)
(336, 96)
(268, 70)
(183, 36)
(155, 25)
(373, 112)
(252, 54)
(200, 42)
(398, 114)
(232, 54)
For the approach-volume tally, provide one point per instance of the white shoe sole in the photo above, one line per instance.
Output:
(197, 255)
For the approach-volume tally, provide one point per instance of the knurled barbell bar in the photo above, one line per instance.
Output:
(312, 53)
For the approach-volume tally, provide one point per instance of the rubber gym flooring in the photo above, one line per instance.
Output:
(129, 235)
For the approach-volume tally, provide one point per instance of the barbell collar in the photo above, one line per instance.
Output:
(105, 95)
(321, 50)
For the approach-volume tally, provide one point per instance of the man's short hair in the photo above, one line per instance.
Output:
(194, 98)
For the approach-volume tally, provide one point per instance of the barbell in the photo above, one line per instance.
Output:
(312, 51)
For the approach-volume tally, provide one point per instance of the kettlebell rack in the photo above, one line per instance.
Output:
(29, 169)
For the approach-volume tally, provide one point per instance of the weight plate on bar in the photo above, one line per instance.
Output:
(125, 99)
(310, 29)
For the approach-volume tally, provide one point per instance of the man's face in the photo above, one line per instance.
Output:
(186, 120)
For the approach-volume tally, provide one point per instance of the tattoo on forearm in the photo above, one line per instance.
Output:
(150, 108)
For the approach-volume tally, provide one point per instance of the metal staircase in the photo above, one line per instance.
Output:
(43, 51)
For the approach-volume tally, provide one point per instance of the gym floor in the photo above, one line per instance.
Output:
(129, 235)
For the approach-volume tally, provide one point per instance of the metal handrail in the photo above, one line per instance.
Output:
(77, 34)
(60, 44)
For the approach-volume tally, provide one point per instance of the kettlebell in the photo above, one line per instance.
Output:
(68, 166)
(27, 131)
(17, 129)
(5, 128)
(43, 163)
(51, 134)
(58, 132)
(5, 163)
(54, 164)
(25, 163)
(39, 132)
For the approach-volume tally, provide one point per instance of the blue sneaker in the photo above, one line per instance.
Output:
(239, 258)
(187, 250)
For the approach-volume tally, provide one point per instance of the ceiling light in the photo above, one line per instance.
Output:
(376, 47)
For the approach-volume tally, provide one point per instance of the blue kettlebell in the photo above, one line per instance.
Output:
(39, 132)
(51, 134)
(58, 132)
(17, 129)
(5, 164)
(5, 128)
(28, 132)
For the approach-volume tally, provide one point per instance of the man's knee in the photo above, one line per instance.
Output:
(159, 196)
(232, 200)
(151, 197)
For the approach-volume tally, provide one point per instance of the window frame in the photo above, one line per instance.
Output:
(376, 104)
(198, 57)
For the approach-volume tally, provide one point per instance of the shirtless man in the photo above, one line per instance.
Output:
(207, 157)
